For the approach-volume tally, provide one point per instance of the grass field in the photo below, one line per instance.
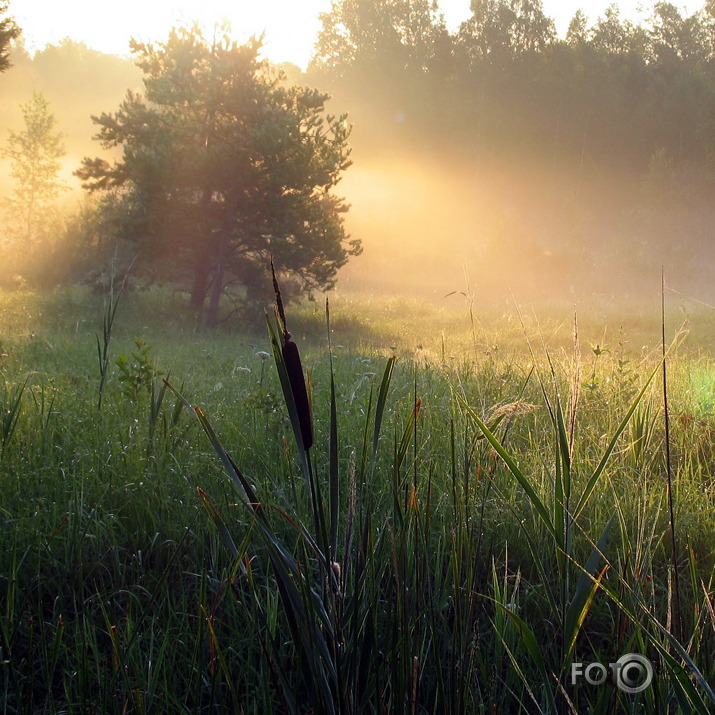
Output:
(475, 519)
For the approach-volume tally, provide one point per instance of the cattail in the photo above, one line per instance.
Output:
(294, 369)
(291, 358)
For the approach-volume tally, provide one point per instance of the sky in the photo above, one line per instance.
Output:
(290, 26)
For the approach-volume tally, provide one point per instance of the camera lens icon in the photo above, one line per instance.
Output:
(633, 673)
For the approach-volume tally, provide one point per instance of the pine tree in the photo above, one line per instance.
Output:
(224, 165)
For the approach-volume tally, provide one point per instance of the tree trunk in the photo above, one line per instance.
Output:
(202, 263)
(217, 287)
(200, 285)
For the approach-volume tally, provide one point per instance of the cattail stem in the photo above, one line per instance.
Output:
(279, 303)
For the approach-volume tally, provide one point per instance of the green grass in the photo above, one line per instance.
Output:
(470, 521)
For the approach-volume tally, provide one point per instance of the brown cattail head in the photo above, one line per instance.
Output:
(291, 358)
(294, 368)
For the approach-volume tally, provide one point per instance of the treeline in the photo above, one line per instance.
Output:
(505, 81)
(596, 148)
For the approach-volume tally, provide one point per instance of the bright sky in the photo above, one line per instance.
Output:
(290, 26)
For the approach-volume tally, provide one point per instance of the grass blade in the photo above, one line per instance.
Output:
(380, 405)
(596, 475)
(512, 466)
(333, 470)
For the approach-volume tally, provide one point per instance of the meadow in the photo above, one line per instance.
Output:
(485, 506)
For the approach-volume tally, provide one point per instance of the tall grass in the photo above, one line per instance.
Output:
(111, 303)
(458, 534)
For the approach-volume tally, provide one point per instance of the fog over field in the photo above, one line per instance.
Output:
(495, 157)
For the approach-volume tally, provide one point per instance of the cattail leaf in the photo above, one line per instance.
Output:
(217, 519)
(291, 375)
(279, 301)
(407, 435)
(299, 604)
(564, 449)
(492, 425)
(685, 689)
(526, 635)
(244, 488)
(296, 400)
(682, 676)
(585, 591)
(305, 535)
(505, 615)
(242, 484)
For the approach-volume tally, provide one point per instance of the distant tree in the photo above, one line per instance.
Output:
(707, 18)
(81, 81)
(391, 61)
(34, 155)
(9, 31)
(499, 30)
(677, 38)
(577, 33)
(223, 165)
(615, 36)
(394, 34)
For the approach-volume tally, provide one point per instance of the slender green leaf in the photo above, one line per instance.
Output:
(585, 591)
(593, 479)
(333, 470)
(380, 405)
(511, 464)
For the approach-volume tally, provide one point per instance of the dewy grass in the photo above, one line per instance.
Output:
(416, 574)
(10, 407)
(323, 665)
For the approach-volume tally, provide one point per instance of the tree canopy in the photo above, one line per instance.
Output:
(391, 34)
(223, 165)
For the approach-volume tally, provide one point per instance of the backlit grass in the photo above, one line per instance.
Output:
(432, 552)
